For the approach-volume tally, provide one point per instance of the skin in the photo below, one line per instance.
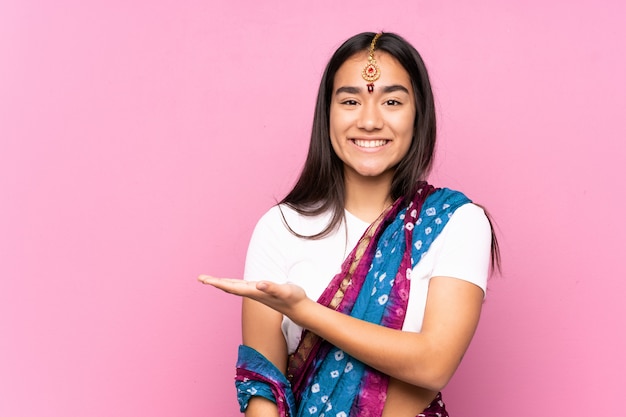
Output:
(370, 133)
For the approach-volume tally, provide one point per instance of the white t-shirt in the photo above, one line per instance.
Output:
(275, 254)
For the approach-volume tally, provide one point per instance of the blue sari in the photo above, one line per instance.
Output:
(373, 285)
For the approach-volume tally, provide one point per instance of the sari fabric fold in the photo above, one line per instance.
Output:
(373, 285)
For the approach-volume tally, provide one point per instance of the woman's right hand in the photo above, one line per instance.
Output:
(283, 298)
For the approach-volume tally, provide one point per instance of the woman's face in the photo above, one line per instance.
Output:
(371, 132)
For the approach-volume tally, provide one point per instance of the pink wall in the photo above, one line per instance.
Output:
(140, 141)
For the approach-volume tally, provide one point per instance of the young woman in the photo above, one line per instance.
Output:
(363, 287)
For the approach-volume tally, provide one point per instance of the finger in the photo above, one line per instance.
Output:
(270, 288)
(208, 279)
(205, 279)
(231, 286)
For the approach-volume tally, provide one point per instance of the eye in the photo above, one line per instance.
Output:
(392, 102)
(349, 102)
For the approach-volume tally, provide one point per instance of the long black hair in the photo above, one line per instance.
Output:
(321, 187)
(321, 184)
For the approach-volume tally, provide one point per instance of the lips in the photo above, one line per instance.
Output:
(370, 143)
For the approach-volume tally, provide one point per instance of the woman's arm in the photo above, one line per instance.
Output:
(427, 359)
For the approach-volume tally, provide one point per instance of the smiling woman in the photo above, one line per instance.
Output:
(380, 329)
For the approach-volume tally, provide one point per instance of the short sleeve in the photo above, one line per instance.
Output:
(266, 256)
(466, 247)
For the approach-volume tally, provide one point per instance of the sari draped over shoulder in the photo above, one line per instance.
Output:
(373, 285)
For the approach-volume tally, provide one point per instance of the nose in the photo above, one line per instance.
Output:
(370, 117)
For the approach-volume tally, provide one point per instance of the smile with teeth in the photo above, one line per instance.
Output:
(369, 143)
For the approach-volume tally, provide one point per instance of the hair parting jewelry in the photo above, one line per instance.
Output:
(371, 72)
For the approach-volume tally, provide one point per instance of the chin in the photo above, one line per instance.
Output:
(370, 172)
(373, 173)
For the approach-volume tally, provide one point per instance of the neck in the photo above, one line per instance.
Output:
(368, 197)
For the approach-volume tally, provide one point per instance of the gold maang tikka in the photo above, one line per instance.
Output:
(371, 72)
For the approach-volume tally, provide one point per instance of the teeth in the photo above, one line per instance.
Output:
(370, 143)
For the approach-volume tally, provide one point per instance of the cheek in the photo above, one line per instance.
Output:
(408, 124)
(333, 143)
(335, 121)
(403, 126)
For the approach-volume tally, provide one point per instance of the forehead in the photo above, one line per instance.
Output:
(391, 71)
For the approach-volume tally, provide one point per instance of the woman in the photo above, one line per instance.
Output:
(398, 268)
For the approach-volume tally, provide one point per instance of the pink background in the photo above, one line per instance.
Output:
(140, 141)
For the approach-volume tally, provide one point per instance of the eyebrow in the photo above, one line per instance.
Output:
(357, 90)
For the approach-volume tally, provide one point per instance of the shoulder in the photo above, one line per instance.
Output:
(465, 246)
(468, 223)
(470, 216)
(277, 243)
(461, 209)
(269, 248)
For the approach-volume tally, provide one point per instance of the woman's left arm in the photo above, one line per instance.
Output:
(427, 359)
